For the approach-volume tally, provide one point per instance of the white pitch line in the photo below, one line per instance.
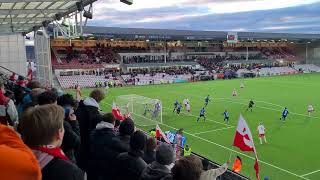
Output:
(311, 173)
(214, 130)
(219, 145)
(263, 162)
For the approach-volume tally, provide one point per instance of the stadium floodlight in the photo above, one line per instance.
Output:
(128, 2)
(87, 14)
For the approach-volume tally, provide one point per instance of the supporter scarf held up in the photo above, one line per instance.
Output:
(53, 151)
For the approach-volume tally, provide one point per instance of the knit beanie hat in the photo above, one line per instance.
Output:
(165, 154)
(138, 140)
(126, 127)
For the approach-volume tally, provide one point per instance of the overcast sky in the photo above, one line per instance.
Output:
(294, 16)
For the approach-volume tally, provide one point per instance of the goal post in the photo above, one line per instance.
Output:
(144, 111)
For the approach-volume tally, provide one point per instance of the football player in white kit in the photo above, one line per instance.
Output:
(185, 102)
(188, 107)
(310, 109)
(261, 131)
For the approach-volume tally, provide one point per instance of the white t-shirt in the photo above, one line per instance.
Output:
(310, 108)
(188, 106)
(186, 101)
(261, 129)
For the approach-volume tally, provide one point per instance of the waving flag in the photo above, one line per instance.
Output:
(244, 141)
(29, 76)
(160, 134)
(116, 112)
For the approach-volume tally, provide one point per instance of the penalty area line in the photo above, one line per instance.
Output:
(311, 173)
(214, 130)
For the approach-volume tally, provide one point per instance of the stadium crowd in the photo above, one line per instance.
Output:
(46, 134)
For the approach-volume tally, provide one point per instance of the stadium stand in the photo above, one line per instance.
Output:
(307, 68)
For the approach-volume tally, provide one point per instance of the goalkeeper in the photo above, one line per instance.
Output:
(157, 109)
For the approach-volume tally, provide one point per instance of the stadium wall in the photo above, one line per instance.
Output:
(13, 53)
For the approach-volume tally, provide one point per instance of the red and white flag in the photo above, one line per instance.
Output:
(29, 76)
(159, 133)
(116, 112)
(244, 141)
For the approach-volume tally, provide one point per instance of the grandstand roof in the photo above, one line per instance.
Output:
(18, 16)
(167, 34)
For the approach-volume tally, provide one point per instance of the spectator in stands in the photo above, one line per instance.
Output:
(212, 174)
(237, 165)
(102, 152)
(34, 99)
(87, 113)
(19, 89)
(161, 168)
(150, 152)
(122, 141)
(43, 131)
(187, 168)
(9, 114)
(47, 97)
(71, 140)
(27, 99)
(17, 162)
(130, 164)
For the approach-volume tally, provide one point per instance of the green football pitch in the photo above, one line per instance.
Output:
(293, 147)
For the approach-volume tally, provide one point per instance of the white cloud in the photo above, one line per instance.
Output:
(243, 6)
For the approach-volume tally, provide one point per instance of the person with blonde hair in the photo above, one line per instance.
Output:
(42, 130)
(87, 114)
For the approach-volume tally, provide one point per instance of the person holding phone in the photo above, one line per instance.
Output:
(71, 141)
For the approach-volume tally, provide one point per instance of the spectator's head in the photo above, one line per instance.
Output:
(47, 97)
(67, 100)
(239, 158)
(43, 125)
(33, 84)
(151, 144)
(205, 164)
(165, 154)
(109, 118)
(138, 141)
(126, 127)
(98, 95)
(187, 168)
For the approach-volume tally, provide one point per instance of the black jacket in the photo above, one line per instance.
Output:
(88, 117)
(122, 143)
(102, 155)
(58, 169)
(130, 165)
(71, 140)
(149, 156)
(156, 171)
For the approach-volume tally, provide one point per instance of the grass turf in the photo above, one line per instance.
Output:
(293, 146)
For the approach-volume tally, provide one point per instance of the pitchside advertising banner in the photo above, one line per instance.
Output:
(232, 37)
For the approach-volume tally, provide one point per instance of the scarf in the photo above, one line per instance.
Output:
(53, 151)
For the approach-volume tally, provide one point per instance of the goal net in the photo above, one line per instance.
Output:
(143, 110)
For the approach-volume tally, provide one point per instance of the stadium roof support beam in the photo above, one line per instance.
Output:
(30, 11)
(26, 1)
(8, 20)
